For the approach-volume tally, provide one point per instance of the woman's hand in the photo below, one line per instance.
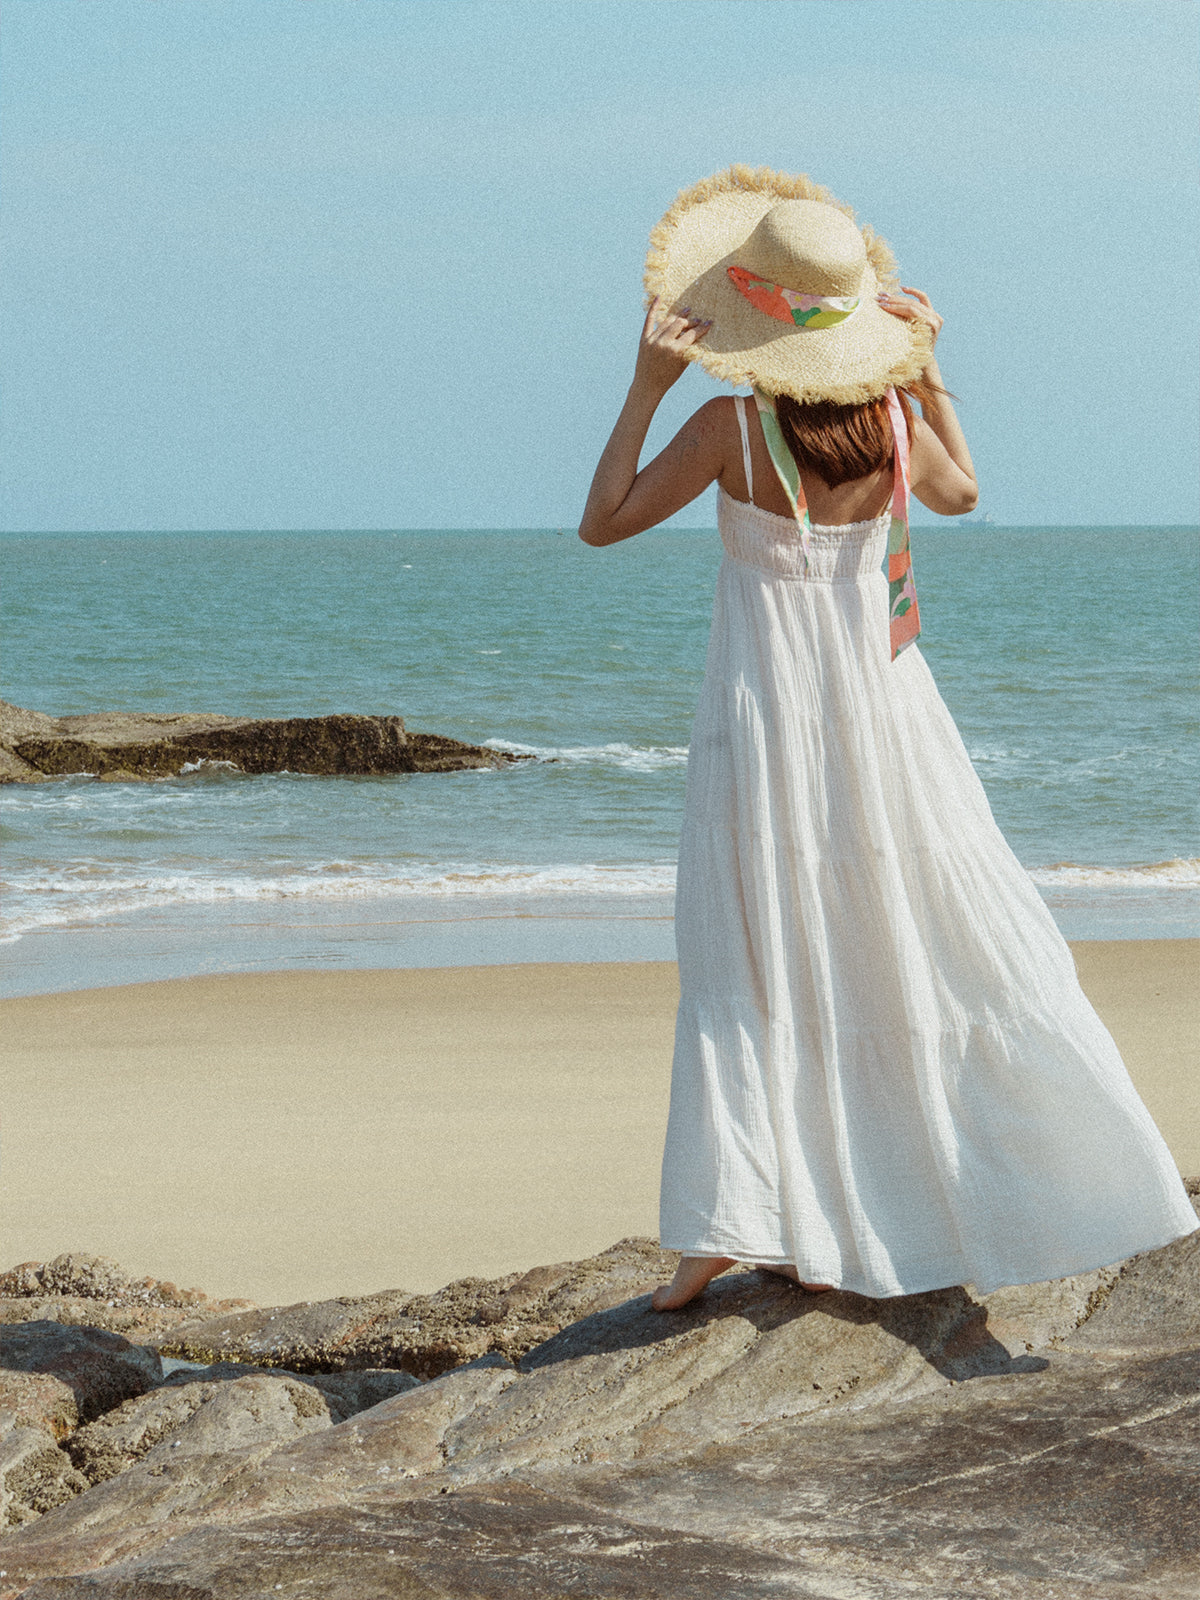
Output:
(660, 358)
(905, 309)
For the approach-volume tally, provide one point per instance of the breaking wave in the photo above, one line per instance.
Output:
(1177, 874)
(90, 892)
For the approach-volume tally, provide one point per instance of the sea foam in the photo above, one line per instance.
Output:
(1177, 874)
(87, 893)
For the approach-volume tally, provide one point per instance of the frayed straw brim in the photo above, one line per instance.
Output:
(699, 238)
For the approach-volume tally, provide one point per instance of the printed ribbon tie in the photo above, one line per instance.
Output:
(904, 620)
(808, 311)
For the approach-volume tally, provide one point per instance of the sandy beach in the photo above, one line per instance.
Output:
(299, 1135)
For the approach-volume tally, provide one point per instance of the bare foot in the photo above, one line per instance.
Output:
(691, 1275)
(790, 1272)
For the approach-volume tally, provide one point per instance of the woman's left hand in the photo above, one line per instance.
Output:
(921, 312)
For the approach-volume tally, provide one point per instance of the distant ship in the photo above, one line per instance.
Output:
(987, 520)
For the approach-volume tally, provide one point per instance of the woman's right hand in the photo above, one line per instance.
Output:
(908, 312)
(660, 358)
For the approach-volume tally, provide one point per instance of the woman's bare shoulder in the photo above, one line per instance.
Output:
(707, 432)
(716, 413)
(714, 425)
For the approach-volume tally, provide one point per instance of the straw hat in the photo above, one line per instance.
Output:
(797, 314)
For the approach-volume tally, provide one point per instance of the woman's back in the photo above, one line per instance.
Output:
(859, 500)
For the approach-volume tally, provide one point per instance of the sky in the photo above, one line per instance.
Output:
(350, 264)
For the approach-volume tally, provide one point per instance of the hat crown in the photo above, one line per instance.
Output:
(807, 246)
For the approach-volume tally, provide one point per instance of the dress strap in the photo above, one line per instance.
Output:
(740, 402)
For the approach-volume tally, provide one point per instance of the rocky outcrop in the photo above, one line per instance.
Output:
(37, 1400)
(198, 1419)
(345, 1393)
(426, 1334)
(119, 746)
(1037, 1442)
(100, 1369)
(52, 1379)
(80, 1290)
(35, 1476)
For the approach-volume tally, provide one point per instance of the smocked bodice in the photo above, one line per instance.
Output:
(771, 543)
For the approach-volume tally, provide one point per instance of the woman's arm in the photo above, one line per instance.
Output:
(623, 501)
(941, 470)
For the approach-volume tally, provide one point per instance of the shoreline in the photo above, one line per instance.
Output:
(404, 934)
(299, 1135)
(409, 931)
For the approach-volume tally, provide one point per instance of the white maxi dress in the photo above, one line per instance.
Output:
(885, 1070)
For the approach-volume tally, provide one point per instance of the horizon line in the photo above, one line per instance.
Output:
(949, 525)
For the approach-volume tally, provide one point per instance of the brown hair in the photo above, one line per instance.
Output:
(841, 443)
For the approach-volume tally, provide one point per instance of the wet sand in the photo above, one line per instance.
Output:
(298, 1135)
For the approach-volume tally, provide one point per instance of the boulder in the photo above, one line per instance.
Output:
(1153, 1303)
(312, 1336)
(126, 745)
(197, 1419)
(52, 1378)
(14, 770)
(35, 1476)
(99, 1368)
(1073, 1482)
(77, 1275)
(37, 1400)
(37, 1410)
(1078, 1480)
(82, 1290)
(507, 1542)
(170, 1490)
(345, 1393)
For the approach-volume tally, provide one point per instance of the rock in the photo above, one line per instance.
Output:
(410, 1436)
(78, 1275)
(207, 1418)
(37, 1400)
(1078, 1480)
(16, 724)
(120, 746)
(629, 1383)
(1072, 1483)
(170, 1490)
(139, 1323)
(1152, 1303)
(99, 1368)
(427, 1335)
(35, 1476)
(1040, 1442)
(344, 1393)
(51, 1379)
(508, 1542)
(14, 770)
(311, 1336)
(83, 1290)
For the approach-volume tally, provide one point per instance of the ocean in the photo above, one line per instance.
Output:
(1066, 655)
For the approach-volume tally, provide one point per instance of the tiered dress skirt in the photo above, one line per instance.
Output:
(885, 1071)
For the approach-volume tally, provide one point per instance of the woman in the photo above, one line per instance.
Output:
(886, 1076)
